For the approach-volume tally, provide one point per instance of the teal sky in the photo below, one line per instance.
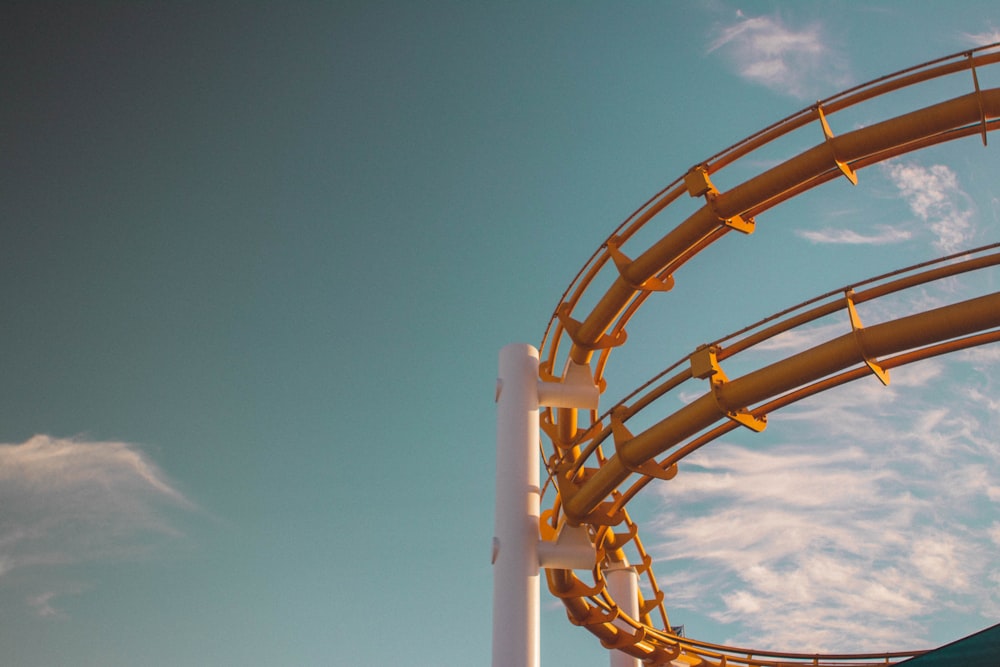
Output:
(258, 260)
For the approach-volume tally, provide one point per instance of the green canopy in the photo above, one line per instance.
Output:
(979, 650)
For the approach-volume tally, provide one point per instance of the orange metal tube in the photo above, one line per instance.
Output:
(859, 297)
(887, 338)
(834, 362)
(894, 133)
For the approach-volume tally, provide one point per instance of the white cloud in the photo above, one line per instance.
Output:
(44, 604)
(874, 510)
(40, 603)
(935, 197)
(989, 36)
(982, 357)
(796, 340)
(883, 235)
(68, 501)
(799, 62)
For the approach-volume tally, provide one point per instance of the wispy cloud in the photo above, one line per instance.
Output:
(935, 197)
(883, 235)
(797, 62)
(44, 604)
(989, 36)
(982, 356)
(68, 501)
(874, 509)
(41, 604)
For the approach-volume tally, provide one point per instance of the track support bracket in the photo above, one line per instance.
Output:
(622, 262)
(572, 328)
(705, 366)
(979, 96)
(699, 185)
(621, 435)
(845, 168)
(856, 327)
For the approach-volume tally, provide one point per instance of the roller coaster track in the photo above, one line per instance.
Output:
(596, 464)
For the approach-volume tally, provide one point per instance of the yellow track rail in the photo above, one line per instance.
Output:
(590, 487)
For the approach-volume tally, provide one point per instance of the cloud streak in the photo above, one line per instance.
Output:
(796, 62)
(69, 501)
(988, 36)
(884, 234)
(935, 197)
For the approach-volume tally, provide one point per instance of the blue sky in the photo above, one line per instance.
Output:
(258, 262)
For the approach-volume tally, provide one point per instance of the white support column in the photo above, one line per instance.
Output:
(515, 541)
(517, 552)
(623, 586)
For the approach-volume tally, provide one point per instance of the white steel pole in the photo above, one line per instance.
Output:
(515, 542)
(623, 585)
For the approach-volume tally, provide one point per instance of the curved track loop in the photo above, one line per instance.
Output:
(591, 487)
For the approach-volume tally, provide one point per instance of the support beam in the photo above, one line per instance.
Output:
(623, 586)
(515, 541)
(517, 551)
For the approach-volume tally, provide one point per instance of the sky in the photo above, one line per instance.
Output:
(258, 260)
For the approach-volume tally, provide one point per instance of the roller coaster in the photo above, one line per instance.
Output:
(597, 461)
